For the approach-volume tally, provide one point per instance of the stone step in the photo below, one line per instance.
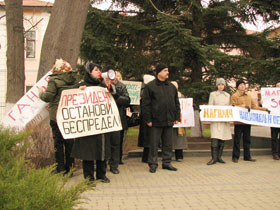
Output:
(199, 145)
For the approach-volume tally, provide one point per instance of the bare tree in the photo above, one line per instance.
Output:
(64, 33)
(15, 52)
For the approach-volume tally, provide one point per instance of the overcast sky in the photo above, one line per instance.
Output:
(259, 27)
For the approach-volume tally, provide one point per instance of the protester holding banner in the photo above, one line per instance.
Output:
(275, 141)
(179, 142)
(220, 131)
(242, 99)
(143, 138)
(122, 102)
(94, 147)
(161, 109)
(62, 77)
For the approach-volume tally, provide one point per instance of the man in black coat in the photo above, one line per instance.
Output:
(161, 110)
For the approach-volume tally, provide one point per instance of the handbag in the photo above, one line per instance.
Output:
(133, 120)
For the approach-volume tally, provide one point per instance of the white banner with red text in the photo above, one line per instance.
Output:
(271, 99)
(29, 110)
(238, 114)
(87, 112)
(187, 113)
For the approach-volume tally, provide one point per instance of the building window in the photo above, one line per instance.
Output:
(30, 44)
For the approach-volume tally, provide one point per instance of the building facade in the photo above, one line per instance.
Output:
(36, 16)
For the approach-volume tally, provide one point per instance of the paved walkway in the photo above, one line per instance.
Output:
(241, 186)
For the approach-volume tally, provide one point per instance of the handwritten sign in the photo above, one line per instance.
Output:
(88, 112)
(271, 99)
(238, 114)
(187, 113)
(133, 89)
(29, 110)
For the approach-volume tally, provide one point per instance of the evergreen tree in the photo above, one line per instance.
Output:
(195, 40)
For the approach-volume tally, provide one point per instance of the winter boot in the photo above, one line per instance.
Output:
(220, 151)
(214, 152)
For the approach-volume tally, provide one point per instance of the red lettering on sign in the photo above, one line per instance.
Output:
(33, 95)
(10, 115)
(21, 107)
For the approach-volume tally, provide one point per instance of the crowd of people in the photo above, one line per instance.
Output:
(159, 112)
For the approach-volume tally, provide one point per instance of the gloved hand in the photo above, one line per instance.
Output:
(268, 111)
(247, 107)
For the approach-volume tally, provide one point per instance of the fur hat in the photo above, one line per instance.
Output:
(90, 66)
(160, 67)
(239, 82)
(220, 81)
(61, 66)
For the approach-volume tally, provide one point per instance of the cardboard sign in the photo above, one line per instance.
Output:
(187, 113)
(133, 89)
(29, 110)
(238, 114)
(87, 112)
(271, 99)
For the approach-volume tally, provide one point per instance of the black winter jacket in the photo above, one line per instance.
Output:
(160, 103)
(122, 102)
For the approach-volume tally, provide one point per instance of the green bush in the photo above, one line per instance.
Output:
(22, 186)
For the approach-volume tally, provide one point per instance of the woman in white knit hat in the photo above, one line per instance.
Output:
(220, 131)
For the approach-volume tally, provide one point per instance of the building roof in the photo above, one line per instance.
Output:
(33, 3)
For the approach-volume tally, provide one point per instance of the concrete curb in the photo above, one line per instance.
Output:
(205, 153)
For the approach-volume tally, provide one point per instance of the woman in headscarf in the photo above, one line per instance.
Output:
(95, 147)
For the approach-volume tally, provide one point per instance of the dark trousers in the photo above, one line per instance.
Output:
(275, 142)
(179, 154)
(63, 150)
(88, 169)
(115, 149)
(239, 131)
(121, 144)
(157, 134)
(145, 155)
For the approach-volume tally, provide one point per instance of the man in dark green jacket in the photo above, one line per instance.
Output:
(62, 77)
(161, 110)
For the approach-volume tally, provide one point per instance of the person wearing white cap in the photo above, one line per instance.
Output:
(220, 131)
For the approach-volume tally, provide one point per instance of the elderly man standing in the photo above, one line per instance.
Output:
(161, 110)
(242, 99)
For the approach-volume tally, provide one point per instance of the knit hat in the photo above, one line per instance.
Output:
(239, 82)
(220, 81)
(90, 66)
(61, 66)
(160, 67)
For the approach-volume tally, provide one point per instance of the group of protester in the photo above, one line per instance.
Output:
(159, 112)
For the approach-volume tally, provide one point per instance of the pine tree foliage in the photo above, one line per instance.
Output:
(198, 42)
(24, 187)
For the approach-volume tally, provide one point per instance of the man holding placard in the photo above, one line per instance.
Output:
(242, 99)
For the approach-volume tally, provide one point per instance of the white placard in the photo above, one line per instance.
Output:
(187, 113)
(29, 110)
(87, 112)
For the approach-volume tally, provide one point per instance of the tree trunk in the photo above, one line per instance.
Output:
(196, 66)
(64, 34)
(15, 52)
